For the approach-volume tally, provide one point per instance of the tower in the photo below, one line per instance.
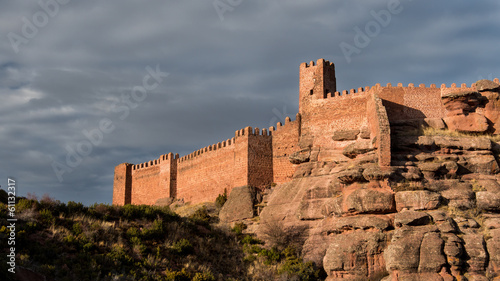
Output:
(317, 81)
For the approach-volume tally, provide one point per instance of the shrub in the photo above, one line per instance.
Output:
(272, 255)
(75, 208)
(201, 215)
(281, 237)
(77, 229)
(46, 216)
(182, 247)
(221, 199)
(205, 276)
(295, 267)
(133, 232)
(182, 275)
(24, 204)
(249, 239)
(156, 230)
(238, 228)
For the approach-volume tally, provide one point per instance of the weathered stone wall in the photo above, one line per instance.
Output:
(330, 126)
(153, 180)
(379, 129)
(285, 141)
(204, 174)
(122, 184)
(260, 159)
(324, 117)
(404, 103)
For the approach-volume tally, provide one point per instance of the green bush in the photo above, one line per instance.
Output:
(24, 204)
(272, 255)
(182, 247)
(46, 217)
(77, 229)
(75, 208)
(296, 267)
(221, 199)
(201, 215)
(249, 239)
(238, 228)
(156, 231)
(205, 276)
(172, 275)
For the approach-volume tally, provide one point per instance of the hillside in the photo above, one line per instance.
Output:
(70, 241)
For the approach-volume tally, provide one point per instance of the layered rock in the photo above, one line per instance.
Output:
(434, 215)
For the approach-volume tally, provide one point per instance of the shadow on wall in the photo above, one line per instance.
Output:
(398, 112)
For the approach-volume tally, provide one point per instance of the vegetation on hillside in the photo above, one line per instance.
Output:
(137, 242)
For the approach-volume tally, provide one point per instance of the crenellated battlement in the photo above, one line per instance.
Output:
(207, 149)
(249, 131)
(319, 62)
(151, 163)
(288, 122)
(328, 122)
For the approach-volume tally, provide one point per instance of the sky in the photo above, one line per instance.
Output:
(87, 85)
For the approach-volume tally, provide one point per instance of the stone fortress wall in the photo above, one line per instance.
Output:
(328, 121)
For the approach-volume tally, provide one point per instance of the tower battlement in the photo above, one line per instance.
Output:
(260, 157)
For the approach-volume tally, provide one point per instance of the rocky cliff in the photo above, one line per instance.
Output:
(434, 215)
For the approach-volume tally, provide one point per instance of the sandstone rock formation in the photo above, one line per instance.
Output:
(433, 215)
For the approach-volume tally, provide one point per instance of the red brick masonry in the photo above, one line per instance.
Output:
(261, 157)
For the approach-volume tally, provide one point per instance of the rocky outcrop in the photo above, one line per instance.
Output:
(434, 215)
(239, 205)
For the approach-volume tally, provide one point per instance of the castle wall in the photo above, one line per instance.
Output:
(285, 140)
(205, 173)
(342, 112)
(404, 103)
(380, 130)
(122, 184)
(146, 185)
(260, 159)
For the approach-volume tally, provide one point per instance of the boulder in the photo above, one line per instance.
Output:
(300, 156)
(476, 252)
(482, 164)
(410, 217)
(462, 102)
(432, 258)
(351, 175)
(471, 123)
(367, 200)
(167, 201)
(355, 256)
(337, 225)
(375, 173)
(435, 123)
(462, 143)
(487, 85)
(359, 147)
(239, 204)
(403, 253)
(417, 200)
(345, 135)
(488, 201)
(459, 195)
(493, 246)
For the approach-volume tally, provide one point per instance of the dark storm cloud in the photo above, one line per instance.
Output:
(223, 75)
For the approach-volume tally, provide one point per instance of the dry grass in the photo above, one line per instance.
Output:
(428, 131)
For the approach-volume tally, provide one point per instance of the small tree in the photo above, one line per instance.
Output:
(221, 199)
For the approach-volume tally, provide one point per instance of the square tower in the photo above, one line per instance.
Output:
(317, 81)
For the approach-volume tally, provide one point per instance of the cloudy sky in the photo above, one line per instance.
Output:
(86, 85)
